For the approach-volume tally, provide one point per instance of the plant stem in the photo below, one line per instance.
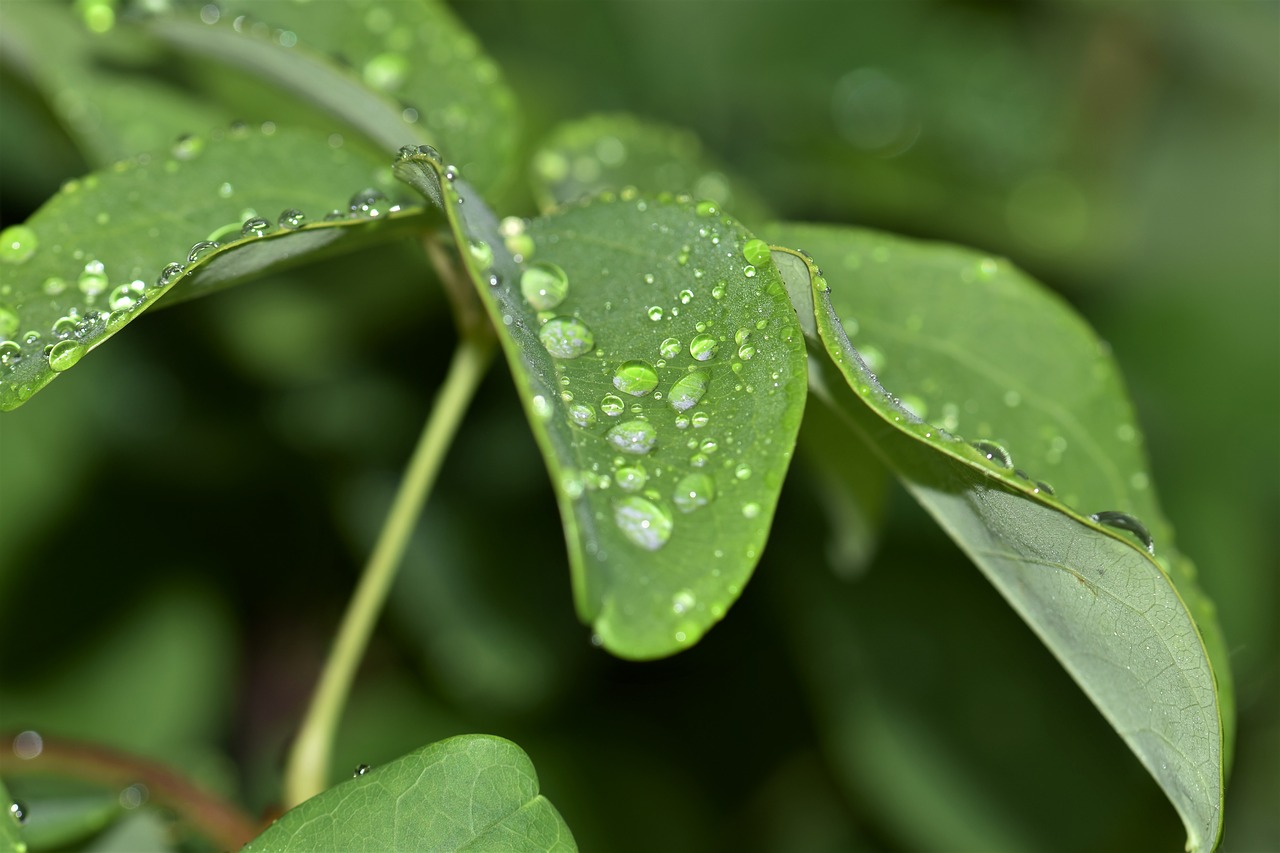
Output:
(306, 773)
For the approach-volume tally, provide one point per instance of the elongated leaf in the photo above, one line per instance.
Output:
(663, 375)
(472, 792)
(401, 72)
(1096, 597)
(583, 158)
(108, 246)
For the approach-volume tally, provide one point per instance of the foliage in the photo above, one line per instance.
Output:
(672, 344)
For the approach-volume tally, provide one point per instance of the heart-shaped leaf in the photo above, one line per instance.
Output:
(202, 215)
(663, 372)
(472, 792)
(582, 158)
(1098, 599)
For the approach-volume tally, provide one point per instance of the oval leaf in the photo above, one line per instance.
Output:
(472, 792)
(664, 376)
(109, 245)
(1096, 597)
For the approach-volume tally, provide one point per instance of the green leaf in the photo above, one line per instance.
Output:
(10, 834)
(406, 72)
(472, 792)
(109, 245)
(971, 332)
(582, 158)
(103, 86)
(664, 378)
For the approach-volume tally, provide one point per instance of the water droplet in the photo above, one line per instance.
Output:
(127, 296)
(1124, 521)
(994, 453)
(669, 348)
(635, 377)
(1012, 399)
(566, 337)
(290, 219)
(756, 251)
(717, 292)
(94, 279)
(226, 190)
(544, 285)
(694, 491)
(482, 253)
(360, 770)
(655, 312)
(582, 415)
(703, 347)
(686, 296)
(612, 405)
(688, 390)
(17, 244)
(204, 247)
(169, 274)
(542, 407)
(749, 271)
(10, 352)
(707, 208)
(631, 478)
(368, 202)
(53, 285)
(643, 522)
(750, 510)
(637, 437)
(18, 812)
(700, 419)
(746, 351)
(187, 147)
(386, 72)
(64, 354)
(683, 601)
(255, 226)
(742, 472)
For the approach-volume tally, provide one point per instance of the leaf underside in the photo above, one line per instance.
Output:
(472, 792)
(664, 379)
(1097, 599)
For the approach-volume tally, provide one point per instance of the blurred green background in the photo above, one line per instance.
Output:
(181, 517)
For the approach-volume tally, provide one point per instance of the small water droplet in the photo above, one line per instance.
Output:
(127, 296)
(226, 190)
(542, 407)
(64, 354)
(482, 253)
(255, 226)
(683, 601)
(582, 415)
(368, 202)
(199, 250)
(93, 280)
(566, 337)
(700, 419)
(18, 812)
(631, 478)
(707, 208)
(1124, 521)
(544, 285)
(703, 347)
(993, 452)
(642, 522)
(17, 244)
(742, 472)
(756, 251)
(636, 436)
(693, 491)
(717, 292)
(53, 285)
(686, 296)
(750, 510)
(169, 274)
(10, 352)
(635, 377)
(746, 351)
(749, 271)
(360, 770)
(612, 405)
(669, 348)
(290, 219)
(688, 390)
(654, 312)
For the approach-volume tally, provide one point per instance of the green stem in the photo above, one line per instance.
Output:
(307, 771)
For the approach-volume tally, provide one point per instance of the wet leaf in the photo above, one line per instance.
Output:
(111, 244)
(971, 330)
(611, 152)
(473, 792)
(407, 72)
(664, 379)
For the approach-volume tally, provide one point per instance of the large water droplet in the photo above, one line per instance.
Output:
(255, 226)
(635, 377)
(1124, 521)
(544, 285)
(756, 251)
(994, 453)
(94, 279)
(290, 219)
(17, 244)
(694, 491)
(612, 405)
(637, 437)
(669, 348)
(126, 296)
(688, 390)
(200, 250)
(643, 522)
(566, 337)
(64, 355)
(703, 347)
